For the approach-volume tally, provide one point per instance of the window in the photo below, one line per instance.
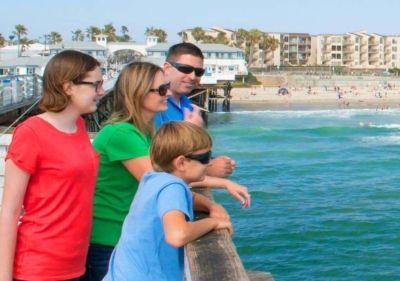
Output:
(30, 70)
(394, 49)
(394, 57)
(393, 64)
(394, 41)
(17, 70)
(356, 48)
(381, 48)
(357, 40)
(381, 40)
(381, 56)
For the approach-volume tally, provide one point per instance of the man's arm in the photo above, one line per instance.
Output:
(221, 167)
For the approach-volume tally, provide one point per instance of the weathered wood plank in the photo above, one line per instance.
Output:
(213, 256)
(259, 276)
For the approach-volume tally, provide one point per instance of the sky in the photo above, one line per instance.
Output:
(304, 16)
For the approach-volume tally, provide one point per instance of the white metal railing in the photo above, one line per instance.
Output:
(17, 88)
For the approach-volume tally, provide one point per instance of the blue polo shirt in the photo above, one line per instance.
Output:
(174, 112)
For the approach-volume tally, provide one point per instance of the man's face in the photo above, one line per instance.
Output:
(182, 83)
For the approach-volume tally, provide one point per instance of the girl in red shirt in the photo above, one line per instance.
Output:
(50, 172)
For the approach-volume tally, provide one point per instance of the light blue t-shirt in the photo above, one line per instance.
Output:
(142, 252)
(174, 112)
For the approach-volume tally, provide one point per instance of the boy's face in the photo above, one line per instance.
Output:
(195, 169)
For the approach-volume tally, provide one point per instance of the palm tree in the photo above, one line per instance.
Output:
(24, 45)
(268, 43)
(252, 39)
(91, 31)
(241, 35)
(125, 37)
(149, 31)
(124, 30)
(78, 35)
(161, 34)
(20, 30)
(221, 39)
(198, 33)
(110, 31)
(55, 37)
(2, 40)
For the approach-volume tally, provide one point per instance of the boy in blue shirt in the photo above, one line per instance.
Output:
(160, 221)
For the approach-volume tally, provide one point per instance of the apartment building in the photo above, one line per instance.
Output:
(186, 35)
(357, 50)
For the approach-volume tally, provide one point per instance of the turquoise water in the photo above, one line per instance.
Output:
(325, 191)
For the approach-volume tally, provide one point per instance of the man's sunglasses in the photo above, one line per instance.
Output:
(97, 84)
(203, 158)
(187, 69)
(162, 89)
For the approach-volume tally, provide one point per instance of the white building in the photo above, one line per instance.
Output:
(222, 63)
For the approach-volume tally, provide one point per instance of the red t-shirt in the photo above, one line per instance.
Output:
(53, 235)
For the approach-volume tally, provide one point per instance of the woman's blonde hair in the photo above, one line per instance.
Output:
(67, 66)
(174, 139)
(132, 86)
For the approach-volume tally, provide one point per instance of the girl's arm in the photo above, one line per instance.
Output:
(236, 190)
(138, 166)
(15, 184)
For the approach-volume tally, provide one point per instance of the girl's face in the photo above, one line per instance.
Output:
(153, 101)
(84, 97)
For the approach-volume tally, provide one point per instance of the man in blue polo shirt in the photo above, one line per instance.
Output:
(183, 68)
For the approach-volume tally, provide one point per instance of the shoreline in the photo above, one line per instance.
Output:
(367, 97)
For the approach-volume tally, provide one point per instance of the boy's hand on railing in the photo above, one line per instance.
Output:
(238, 191)
(218, 212)
(224, 224)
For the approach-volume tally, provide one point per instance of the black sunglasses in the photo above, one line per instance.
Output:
(187, 69)
(203, 158)
(162, 89)
(96, 84)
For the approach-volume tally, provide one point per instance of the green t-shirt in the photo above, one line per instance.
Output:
(115, 186)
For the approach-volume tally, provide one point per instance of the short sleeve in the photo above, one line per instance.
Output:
(24, 149)
(174, 197)
(127, 144)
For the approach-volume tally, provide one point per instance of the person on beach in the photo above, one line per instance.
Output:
(51, 170)
(123, 144)
(183, 68)
(160, 221)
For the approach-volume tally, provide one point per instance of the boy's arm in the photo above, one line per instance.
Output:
(203, 204)
(16, 181)
(236, 190)
(178, 232)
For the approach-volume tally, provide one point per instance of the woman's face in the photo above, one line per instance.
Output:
(153, 102)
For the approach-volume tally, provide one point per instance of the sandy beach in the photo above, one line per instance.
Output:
(350, 97)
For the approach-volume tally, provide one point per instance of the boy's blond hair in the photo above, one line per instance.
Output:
(174, 139)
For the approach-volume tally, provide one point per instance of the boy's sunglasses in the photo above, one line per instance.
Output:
(162, 89)
(203, 158)
(187, 69)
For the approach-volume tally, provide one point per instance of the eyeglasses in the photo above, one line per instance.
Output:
(162, 89)
(96, 84)
(203, 158)
(187, 69)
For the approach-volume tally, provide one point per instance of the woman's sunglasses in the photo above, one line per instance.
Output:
(162, 89)
(187, 69)
(203, 158)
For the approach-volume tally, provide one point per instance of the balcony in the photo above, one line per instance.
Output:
(388, 43)
(373, 51)
(363, 51)
(304, 50)
(324, 50)
(326, 58)
(326, 42)
(346, 51)
(374, 59)
(373, 43)
(304, 43)
(293, 43)
(348, 59)
(348, 42)
(363, 58)
(388, 51)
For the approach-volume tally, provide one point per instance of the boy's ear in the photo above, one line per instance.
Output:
(179, 163)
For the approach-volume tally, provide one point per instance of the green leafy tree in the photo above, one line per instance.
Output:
(2, 40)
(20, 30)
(252, 40)
(78, 35)
(268, 43)
(161, 34)
(208, 39)
(24, 45)
(55, 37)
(198, 33)
(110, 31)
(149, 31)
(221, 39)
(91, 31)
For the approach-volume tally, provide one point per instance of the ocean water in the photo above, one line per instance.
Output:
(325, 191)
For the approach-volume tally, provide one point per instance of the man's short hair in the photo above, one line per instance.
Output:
(174, 139)
(177, 50)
